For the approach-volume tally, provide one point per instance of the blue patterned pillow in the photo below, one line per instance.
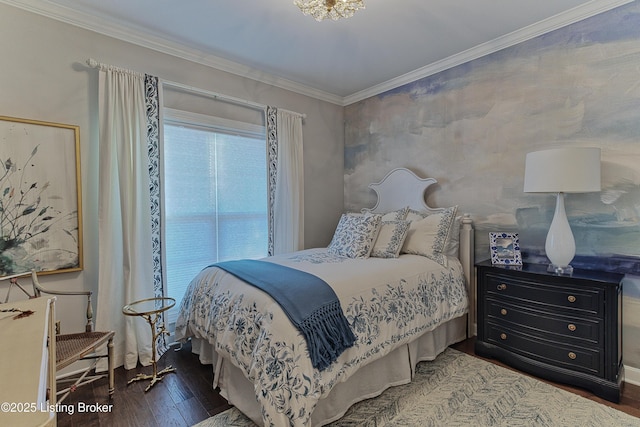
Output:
(390, 239)
(355, 235)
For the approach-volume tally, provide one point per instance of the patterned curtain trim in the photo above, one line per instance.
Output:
(152, 100)
(272, 166)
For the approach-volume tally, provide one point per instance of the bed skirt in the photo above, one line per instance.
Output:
(396, 368)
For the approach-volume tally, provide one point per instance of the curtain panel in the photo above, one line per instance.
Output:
(286, 181)
(128, 208)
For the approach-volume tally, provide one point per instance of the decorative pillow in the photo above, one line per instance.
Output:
(390, 239)
(399, 215)
(430, 236)
(414, 215)
(453, 245)
(355, 235)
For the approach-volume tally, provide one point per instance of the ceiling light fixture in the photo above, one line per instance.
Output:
(334, 9)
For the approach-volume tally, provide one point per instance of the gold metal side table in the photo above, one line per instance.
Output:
(150, 309)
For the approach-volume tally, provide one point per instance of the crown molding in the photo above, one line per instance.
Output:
(171, 47)
(164, 45)
(564, 19)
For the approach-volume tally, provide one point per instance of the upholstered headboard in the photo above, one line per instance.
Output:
(401, 188)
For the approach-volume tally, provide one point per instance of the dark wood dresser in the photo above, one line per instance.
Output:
(563, 328)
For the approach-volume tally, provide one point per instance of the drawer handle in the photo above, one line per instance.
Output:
(502, 287)
(572, 327)
(571, 298)
(503, 312)
(572, 355)
(503, 336)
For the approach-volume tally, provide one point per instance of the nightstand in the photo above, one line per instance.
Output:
(563, 328)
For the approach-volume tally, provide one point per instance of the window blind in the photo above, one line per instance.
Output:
(215, 197)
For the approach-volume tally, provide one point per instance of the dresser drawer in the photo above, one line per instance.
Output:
(571, 357)
(574, 298)
(563, 328)
(542, 324)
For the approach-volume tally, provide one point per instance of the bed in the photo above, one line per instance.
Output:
(406, 297)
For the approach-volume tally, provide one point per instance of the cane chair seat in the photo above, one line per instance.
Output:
(73, 347)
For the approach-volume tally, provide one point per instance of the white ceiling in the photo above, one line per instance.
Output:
(383, 46)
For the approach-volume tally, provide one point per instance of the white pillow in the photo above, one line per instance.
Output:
(453, 245)
(355, 235)
(398, 215)
(430, 235)
(390, 239)
(414, 215)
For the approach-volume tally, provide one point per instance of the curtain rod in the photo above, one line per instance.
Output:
(95, 64)
(301, 115)
(231, 99)
(225, 98)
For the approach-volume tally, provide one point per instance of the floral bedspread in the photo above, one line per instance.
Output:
(388, 302)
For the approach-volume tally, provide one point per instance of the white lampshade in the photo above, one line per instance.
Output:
(563, 170)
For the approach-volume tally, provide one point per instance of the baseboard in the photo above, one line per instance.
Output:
(632, 375)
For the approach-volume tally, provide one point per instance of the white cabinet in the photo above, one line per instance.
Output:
(27, 364)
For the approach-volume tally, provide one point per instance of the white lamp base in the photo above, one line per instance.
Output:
(560, 245)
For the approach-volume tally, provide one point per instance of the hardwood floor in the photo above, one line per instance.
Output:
(181, 399)
(184, 398)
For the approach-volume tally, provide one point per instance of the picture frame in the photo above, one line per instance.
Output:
(40, 197)
(505, 248)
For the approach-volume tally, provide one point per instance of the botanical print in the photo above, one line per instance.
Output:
(470, 127)
(39, 216)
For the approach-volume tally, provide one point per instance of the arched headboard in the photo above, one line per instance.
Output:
(400, 188)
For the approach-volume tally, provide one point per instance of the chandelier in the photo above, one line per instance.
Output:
(334, 9)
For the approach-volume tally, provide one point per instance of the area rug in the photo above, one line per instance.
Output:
(460, 390)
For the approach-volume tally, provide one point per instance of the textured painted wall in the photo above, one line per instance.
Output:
(471, 126)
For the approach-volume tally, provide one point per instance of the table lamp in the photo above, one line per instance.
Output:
(562, 170)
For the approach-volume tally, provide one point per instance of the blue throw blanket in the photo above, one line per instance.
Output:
(309, 302)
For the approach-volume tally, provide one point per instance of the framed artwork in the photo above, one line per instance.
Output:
(505, 248)
(40, 197)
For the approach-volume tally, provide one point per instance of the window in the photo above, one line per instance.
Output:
(215, 196)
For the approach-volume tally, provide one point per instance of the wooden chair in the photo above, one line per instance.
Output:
(71, 348)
